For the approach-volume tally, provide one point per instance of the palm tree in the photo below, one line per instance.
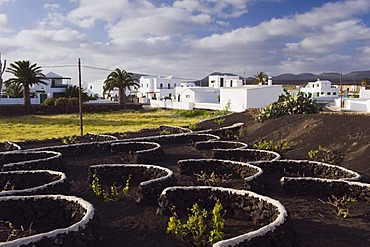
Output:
(14, 90)
(72, 91)
(260, 77)
(27, 75)
(365, 82)
(122, 80)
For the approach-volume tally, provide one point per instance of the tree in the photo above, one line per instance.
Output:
(365, 82)
(27, 75)
(122, 80)
(14, 90)
(260, 77)
(72, 91)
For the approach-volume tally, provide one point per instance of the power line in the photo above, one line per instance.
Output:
(105, 69)
(97, 68)
(58, 66)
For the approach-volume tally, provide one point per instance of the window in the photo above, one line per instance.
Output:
(328, 93)
(174, 85)
(187, 96)
(168, 86)
(161, 85)
(141, 85)
(334, 93)
(322, 93)
(317, 94)
(221, 82)
(147, 85)
(231, 83)
(90, 87)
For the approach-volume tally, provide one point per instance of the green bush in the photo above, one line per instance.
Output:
(49, 101)
(61, 102)
(288, 104)
(73, 101)
(279, 146)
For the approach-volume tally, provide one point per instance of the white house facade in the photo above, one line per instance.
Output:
(221, 81)
(157, 87)
(321, 90)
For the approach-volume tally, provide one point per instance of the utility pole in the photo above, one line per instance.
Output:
(2, 69)
(341, 92)
(80, 97)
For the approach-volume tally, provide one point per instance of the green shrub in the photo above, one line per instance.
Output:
(193, 126)
(198, 230)
(49, 101)
(73, 101)
(322, 154)
(281, 145)
(288, 104)
(61, 102)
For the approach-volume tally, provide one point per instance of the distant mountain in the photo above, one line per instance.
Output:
(354, 77)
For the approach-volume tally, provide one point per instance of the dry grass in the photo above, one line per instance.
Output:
(22, 128)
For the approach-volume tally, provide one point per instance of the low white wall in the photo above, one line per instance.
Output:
(364, 93)
(17, 101)
(357, 105)
(172, 104)
(208, 106)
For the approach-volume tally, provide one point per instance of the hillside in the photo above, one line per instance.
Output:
(353, 77)
(347, 135)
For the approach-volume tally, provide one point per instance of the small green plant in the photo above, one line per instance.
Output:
(96, 185)
(193, 126)
(113, 194)
(231, 135)
(213, 178)
(69, 140)
(197, 226)
(281, 145)
(322, 154)
(219, 121)
(226, 109)
(218, 224)
(340, 204)
(165, 132)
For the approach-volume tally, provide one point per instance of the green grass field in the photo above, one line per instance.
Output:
(22, 128)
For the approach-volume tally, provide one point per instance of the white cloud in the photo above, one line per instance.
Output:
(179, 38)
(3, 22)
(2, 2)
(89, 11)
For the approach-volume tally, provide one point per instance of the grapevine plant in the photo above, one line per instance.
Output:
(198, 229)
(113, 194)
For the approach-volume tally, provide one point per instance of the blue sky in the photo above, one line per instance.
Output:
(188, 38)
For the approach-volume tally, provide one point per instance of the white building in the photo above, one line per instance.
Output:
(361, 104)
(251, 96)
(55, 86)
(157, 87)
(321, 90)
(221, 81)
(222, 91)
(94, 88)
